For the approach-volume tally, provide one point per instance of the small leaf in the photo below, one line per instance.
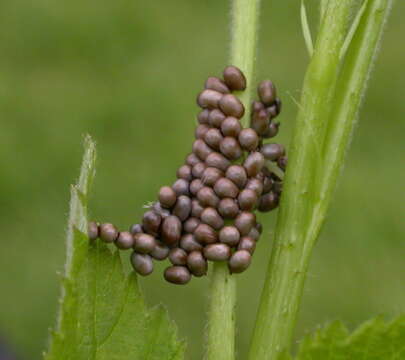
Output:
(102, 313)
(374, 340)
(306, 30)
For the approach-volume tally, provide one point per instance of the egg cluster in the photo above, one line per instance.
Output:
(208, 212)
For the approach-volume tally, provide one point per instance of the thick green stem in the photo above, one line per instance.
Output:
(349, 93)
(244, 24)
(289, 260)
(221, 316)
(221, 326)
(324, 126)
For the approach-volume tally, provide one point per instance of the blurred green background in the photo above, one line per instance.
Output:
(127, 72)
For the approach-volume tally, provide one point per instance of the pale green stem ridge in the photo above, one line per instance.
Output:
(322, 9)
(306, 31)
(324, 126)
(289, 260)
(221, 316)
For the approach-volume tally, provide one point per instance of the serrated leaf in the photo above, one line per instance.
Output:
(374, 340)
(102, 312)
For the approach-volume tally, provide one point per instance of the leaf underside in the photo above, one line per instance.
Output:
(373, 340)
(102, 312)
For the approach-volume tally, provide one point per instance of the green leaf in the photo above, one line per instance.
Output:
(102, 313)
(374, 340)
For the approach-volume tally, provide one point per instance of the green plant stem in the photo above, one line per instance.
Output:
(323, 5)
(221, 315)
(292, 247)
(322, 135)
(244, 24)
(352, 86)
(221, 326)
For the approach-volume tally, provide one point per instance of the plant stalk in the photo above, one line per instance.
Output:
(221, 316)
(221, 325)
(350, 92)
(293, 242)
(244, 26)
